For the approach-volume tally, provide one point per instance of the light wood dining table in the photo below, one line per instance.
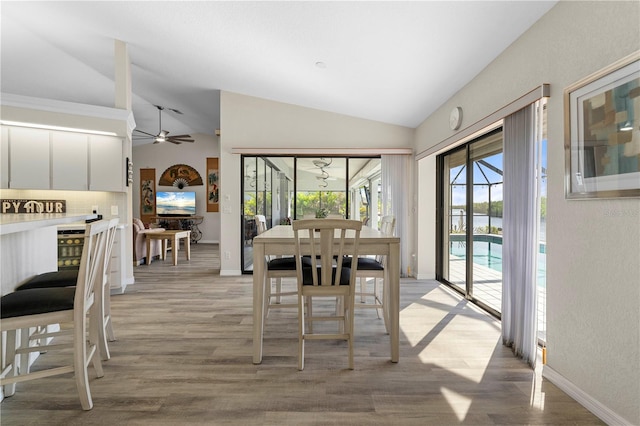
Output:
(279, 241)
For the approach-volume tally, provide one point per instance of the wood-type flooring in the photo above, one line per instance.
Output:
(184, 349)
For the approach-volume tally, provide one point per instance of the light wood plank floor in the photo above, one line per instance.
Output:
(183, 356)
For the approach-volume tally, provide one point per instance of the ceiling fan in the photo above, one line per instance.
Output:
(163, 135)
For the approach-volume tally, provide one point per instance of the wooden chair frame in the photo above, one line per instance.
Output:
(325, 240)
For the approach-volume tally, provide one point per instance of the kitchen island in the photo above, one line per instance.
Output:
(28, 245)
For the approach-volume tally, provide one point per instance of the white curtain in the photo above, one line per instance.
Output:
(397, 200)
(520, 228)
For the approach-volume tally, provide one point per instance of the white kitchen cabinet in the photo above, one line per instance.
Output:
(118, 276)
(69, 161)
(4, 158)
(106, 164)
(29, 155)
(48, 159)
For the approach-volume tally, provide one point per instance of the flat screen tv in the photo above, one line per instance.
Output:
(173, 203)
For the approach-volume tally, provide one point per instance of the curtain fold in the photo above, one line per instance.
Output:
(397, 188)
(520, 228)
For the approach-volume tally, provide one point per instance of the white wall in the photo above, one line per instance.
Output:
(593, 267)
(248, 122)
(162, 156)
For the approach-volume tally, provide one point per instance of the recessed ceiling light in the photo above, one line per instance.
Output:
(321, 64)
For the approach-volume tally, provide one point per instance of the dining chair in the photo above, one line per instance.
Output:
(374, 267)
(51, 307)
(69, 278)
(276, 269)
(325, 240)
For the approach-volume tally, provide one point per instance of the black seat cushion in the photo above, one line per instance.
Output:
(307, 275)
(366, 264)
(37, 301)
(51, 279)
(286, 263)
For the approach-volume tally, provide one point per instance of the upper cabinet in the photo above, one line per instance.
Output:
(29, 153)
(69, 161)
(4, 157)
(48, 159)
(106, 164)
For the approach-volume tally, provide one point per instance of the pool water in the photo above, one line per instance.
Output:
(484, 253)
(489, 254)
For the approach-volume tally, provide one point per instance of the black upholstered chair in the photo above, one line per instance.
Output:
(277, 268)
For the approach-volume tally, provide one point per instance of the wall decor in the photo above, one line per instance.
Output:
(602, 133)
(213, 190)
(33, 206)
(147, 195)
(129, 176)
(180, 175)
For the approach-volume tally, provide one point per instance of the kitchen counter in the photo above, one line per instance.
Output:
(12, 223)
(28, 243)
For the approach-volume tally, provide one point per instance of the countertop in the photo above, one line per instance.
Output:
(12, 223)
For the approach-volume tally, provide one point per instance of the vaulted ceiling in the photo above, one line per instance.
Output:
(390, 61)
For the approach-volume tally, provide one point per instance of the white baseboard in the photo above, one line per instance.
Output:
(587, 401)
(230, 272)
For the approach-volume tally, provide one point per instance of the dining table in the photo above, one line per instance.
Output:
(280, 241)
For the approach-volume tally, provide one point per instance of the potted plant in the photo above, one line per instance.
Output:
(322, 213)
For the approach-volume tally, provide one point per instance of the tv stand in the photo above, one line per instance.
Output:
(181, 223)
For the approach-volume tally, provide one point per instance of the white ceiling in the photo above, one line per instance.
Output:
(394, 62)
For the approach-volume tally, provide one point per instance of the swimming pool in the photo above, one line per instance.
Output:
(487, 252)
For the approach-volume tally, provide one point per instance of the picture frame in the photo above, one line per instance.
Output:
(602, 132)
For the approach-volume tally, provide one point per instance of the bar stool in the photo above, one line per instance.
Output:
(69, 278)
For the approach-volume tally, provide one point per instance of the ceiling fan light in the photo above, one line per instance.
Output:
(626, 127)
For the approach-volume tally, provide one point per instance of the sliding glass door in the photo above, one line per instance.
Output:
(470, 237)
(285, 188)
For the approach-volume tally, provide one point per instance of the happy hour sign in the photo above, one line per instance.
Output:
(33, 206)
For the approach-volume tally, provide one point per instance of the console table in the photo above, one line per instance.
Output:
(182, 223)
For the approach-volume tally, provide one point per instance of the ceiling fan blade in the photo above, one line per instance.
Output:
(174, 142)
(181, 136)
(180, 140)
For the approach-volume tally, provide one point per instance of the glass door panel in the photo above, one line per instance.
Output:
(321, 188)
(249, 209)
(454, 223)
(485, 231)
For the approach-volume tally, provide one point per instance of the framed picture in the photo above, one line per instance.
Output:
(147, 195)
(213, 188)
(602, 133)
